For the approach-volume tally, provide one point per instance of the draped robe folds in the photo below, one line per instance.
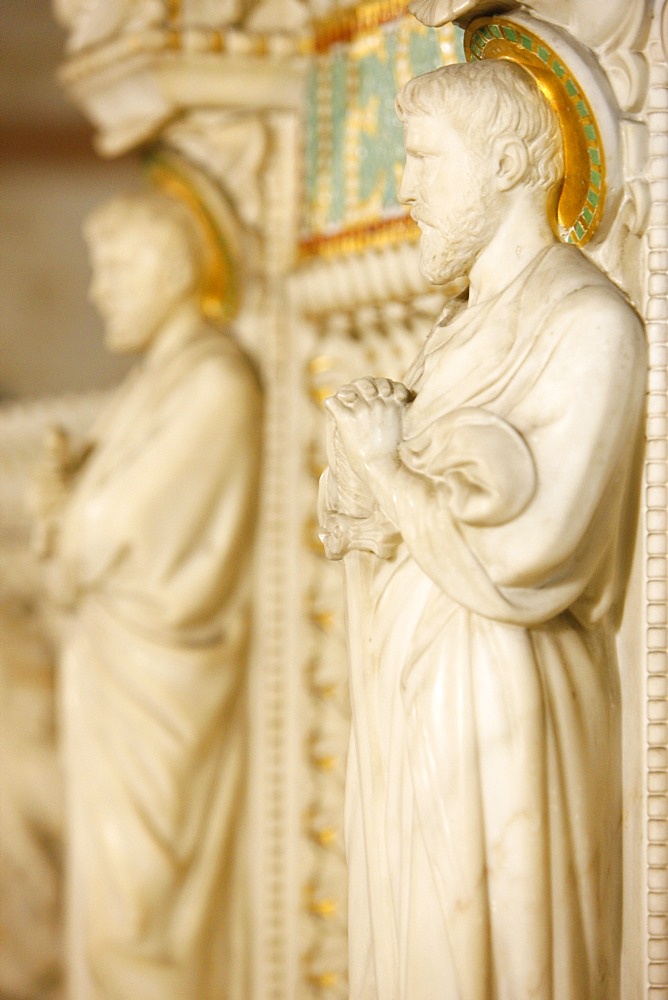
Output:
(154, 556)
(482, 801)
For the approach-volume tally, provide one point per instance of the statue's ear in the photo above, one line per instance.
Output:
(511, 161)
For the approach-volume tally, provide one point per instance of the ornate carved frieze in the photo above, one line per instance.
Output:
(134, 79)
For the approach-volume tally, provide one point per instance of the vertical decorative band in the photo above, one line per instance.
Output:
(656, 538)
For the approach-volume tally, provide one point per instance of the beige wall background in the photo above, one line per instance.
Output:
(51, 347)
(50, 178)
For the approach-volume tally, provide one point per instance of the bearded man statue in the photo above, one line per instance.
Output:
(148, 529)
(478, 507)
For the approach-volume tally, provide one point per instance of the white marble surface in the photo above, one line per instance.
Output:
(483, 793)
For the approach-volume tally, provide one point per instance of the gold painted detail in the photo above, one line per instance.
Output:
(323, 980)
(318, 830)
(220, 292)
(322, 688)
(345, 25)
(174, 11)
(320, 753)
(311, 536)
(582, 198)
(319, 905)
(384, 233)
(323, 618)
(321, 391)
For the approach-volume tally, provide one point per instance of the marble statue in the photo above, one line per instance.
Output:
(148, 530)
(478, 508)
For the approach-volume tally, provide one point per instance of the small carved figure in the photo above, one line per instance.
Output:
(149, 529)
(595, 25)
(91, 22)
(483, 511)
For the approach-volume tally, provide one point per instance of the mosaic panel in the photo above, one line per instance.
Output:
(353, 148)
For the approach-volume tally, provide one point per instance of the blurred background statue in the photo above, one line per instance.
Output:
(147, 528)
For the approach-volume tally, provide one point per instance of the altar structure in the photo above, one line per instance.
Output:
(286, 107)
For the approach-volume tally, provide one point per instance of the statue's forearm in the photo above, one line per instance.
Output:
(400, 493)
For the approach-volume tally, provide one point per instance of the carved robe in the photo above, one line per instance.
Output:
(483, 800)
(155, 553)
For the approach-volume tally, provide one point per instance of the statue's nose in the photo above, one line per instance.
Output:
(405, 194)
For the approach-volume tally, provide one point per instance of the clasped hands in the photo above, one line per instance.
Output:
(368, 414)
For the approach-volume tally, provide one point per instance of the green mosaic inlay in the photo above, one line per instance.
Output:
(582, 109)
(353, 142)
(487, 33)
(579, 230)
(460, 54)
(382, 147)
(496, 30)
(590, 132)
(543, 53)
(527, 42)
(594, 156)
(510, 33)
(571, 88)
(593, 197)
(338, 121)
(559, 69)
(587, 215)
(424, 53)
(311, 137)
(595, 178)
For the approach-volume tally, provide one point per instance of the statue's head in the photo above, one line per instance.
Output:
(145, 252)
(474, 133)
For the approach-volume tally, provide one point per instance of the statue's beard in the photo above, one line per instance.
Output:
(448, 253)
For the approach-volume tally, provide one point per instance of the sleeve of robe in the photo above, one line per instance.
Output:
(162, 536)
(514, 517)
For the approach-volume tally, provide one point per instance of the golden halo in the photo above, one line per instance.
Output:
(583, 196)
(220, 293)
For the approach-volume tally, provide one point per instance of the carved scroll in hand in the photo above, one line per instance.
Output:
(365, 426)
(54, 477)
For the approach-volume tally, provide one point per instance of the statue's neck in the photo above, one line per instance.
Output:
(522, 234)
(181, 326)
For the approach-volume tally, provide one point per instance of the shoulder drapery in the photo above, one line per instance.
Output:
(160, 520)
(512, 513)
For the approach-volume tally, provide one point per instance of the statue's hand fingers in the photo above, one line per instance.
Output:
(401, 393)
(343, 407)
(384, 387)
(366, 388)
(346, 396)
